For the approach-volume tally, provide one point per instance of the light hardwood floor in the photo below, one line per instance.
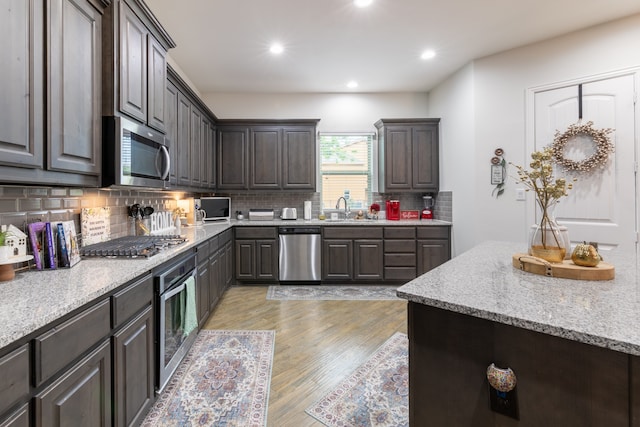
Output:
(318, 343)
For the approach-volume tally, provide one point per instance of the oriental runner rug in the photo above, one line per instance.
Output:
(376, 394)
(223, 381)
(323, 292)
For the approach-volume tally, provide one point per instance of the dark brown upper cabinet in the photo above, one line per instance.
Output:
(50, 130)
(266, 155)
(134, 78)
(190, 134)
(408, 155)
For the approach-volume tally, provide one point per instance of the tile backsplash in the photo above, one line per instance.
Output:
(22, 205)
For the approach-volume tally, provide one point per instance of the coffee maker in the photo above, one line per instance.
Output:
(427, 210)
(393, 210)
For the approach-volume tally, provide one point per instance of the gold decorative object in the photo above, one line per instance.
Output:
(585, 255)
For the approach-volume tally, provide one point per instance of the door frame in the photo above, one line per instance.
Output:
(530, 132)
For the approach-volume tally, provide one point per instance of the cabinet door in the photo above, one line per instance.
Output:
(82, 396)
(133, 64)
(337, 259)
(398, 158)
(245, 259)
(171, 121)
(183, 156)
(157, 76)
(214, 280)
(267, 260)
(74, 90)
(425, 158)
(203, 287)
(14, 371)
(432, 253)
(133, 349)
(196, 144)
(205, 146)
(264, 149)
(229, 265)
(368, 260)
(19, 418)
(299, 158)
(232, 158)
(22, 71)
(211, 157)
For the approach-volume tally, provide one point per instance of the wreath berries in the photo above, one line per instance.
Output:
(603, 144)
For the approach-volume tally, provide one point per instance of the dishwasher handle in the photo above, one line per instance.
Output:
(298, 230)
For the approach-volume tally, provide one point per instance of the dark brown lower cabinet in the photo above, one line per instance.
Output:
(81, 396)
(133, 348)
(14, 374)
(256, 254)
(215, 283)
(433, 248)
(203, 288)
(559, 382)
(19, 418)
(352, 254)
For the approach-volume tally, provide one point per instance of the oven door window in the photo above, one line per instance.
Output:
(141, 158)
(174, 311)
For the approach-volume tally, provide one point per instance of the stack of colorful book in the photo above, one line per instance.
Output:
(54, 245)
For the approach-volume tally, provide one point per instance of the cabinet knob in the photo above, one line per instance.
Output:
(503, 380)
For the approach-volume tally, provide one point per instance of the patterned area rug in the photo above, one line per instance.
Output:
(376, 394)
(223, 381)
(322, 292)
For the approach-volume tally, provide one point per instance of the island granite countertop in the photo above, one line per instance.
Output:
(483, 283)
(36, 298)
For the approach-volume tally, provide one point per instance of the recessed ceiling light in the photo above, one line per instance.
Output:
(276, 49)
(428, 54)
(352, 84)
(362, 3)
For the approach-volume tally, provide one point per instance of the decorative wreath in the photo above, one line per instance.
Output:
(600, 138)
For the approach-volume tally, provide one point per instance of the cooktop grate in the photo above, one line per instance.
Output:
(132, 246)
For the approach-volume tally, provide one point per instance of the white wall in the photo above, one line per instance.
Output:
(337, 112)
(499, 86)
(453, 101)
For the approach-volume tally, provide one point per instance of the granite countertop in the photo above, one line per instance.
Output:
(36, 298)
(483, 283)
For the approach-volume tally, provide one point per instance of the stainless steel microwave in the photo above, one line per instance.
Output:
(133, 155)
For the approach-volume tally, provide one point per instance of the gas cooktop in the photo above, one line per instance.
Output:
(132, 246)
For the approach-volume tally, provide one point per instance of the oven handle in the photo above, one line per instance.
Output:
(172, 292)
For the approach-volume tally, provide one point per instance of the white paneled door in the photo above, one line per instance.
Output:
(602, 207)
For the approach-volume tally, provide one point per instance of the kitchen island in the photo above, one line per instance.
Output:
(573, 345)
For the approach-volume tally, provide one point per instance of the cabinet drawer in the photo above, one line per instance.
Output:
(363, 232)
(400, 246)
(14, 371)
(62, 344)
(214, 245)
(433, 232)
(399, 232)
(399, 260)
(256, 233)
(399, 273)
(131, 300)
(202, 252)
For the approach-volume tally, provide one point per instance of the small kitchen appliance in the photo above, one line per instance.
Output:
(289, 213)
(393, 210)
(427, 210)
(216, 208)
(260, 214)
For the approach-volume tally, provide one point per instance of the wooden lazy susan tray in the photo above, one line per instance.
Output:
(565, 270)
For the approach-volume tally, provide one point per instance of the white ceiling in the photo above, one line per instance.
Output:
(222, 45)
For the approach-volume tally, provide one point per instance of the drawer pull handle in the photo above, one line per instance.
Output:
(503, 380)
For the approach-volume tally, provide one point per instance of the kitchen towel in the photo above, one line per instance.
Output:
(190, 319)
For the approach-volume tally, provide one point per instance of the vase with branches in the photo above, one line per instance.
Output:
(546, 240)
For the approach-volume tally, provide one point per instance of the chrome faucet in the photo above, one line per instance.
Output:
(346, 206)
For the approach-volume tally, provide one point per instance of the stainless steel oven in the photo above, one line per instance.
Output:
(172, 296)
(134, 155)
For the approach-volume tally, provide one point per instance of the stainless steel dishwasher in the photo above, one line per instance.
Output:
(300, 254)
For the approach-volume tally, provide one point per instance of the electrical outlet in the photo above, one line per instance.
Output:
(505, 403)
(521, 194)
